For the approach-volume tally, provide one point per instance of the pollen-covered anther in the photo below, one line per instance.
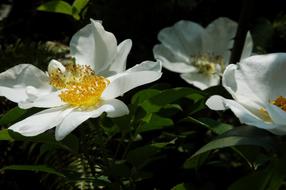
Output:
(80, 86)
(85, 93)
(207, 63)
(280, 102)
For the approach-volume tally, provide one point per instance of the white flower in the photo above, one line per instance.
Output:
(257, 87)
(199, 54)
(84, 88)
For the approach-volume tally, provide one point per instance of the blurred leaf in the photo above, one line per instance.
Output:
(35, 168)
(142, 155)
(215, 126)
(4, 135)
(143, 95)
(155, 122)
(196, 162)
(69, 143)
(181, 186)
(156, 102)
(270, 178)
(170, 110)
(230, 141)
(59, 7)
(12, 115)
(80, 4)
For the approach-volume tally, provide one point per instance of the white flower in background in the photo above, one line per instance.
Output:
(199, 54)
(257, 87)
(84, 88)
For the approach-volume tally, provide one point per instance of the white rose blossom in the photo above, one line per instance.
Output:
(84, 88)
(199, 54)
(258, 90)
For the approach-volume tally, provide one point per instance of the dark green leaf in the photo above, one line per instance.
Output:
(214, 126)
(12, 115)
(197, 161)
(155, 122)
(69, 143)
(234, 141)
(143, 154)
(270, 178)
(35, 168)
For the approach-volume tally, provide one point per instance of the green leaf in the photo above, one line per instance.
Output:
(270, 178)
(4, 135)
(12, 115)
(215, 126)
(156, 102)
(69, 143)
(143, 95)
(196, 162)
(155, 122)
(59, 7)
(142, 155)
(35, 168)
(181, 186)
(230, 141)
(80, 4)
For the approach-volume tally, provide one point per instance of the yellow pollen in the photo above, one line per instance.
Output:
(80, 86)
(280, 102)
(207, 63)
(264, 114)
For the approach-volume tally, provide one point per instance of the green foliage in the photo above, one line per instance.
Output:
(35, 168)
(57, 6)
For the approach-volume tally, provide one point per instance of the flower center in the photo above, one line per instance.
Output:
(280, 102)
(207, 63)
(81, 87)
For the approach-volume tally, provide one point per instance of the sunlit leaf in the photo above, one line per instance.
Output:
(59, 7)
(80, 4)
(4, 135)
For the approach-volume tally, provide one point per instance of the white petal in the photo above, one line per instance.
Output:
(185, 37)
(94, 46)
(200, 80)
(119, 63)
(259, 77)
(116, 108)
(277, 115)
(136, 76)
(248, 46)
(173, 60)
(216, 103)
(14, 82)
(45, 101)
(56, 65)
(113, 108)
(221, 33)
(147, 66)
(243, 114)
(237, 85)
(40, 122)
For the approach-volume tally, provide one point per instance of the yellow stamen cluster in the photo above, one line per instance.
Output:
(207, 63)
(81, 86)
(280, 102)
